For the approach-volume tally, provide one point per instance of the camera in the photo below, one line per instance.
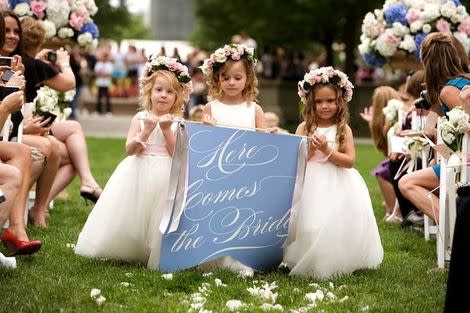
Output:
(52, 56)
(422, 102)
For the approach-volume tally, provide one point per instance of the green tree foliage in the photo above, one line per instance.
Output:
(118, 23)
(289, 24)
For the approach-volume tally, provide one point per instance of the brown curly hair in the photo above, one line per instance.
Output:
(250, 92)
(147, 86)
(310, 117)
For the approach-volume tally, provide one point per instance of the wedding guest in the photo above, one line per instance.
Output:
(103, 71)
(446, 72)
(196, 113)
(272, 121)
(233, 87)
(136, 194)
(333, 232)
(71, 143)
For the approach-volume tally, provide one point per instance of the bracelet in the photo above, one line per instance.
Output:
(327, 157)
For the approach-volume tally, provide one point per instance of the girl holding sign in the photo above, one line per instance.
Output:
(233, 88)
(334, 231)
(124, 223)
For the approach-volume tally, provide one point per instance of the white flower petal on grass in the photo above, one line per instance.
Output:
(95, 292)
(128, 274)
(365, 308)
(205, 311)
(168, 276)
(124, 284)
(100, 300)
(219, 283)
(270, 307)
(296, 290)
(343, 299)
(196, 307)
(330, 295)
(234, 305)
(331, 285)
(314, 285)
(342, 287)
(70, 245)
(209, 274)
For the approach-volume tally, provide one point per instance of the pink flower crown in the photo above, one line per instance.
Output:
(220, 56)
(158, 63)
(325, 75)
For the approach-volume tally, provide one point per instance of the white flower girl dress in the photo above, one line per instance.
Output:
(124, 222)
(335, 230)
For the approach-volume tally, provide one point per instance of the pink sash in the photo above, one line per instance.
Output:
(154, 149)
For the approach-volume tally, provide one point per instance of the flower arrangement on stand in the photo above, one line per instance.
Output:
(63, 20)
(401, 25)
(453, 129)
(50, 101)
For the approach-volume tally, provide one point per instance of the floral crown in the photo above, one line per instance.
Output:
(325, 75)
(220, 56)
(159, 63)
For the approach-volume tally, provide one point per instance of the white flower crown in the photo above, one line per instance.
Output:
(325, 75)
(220, 56)
(158, 63)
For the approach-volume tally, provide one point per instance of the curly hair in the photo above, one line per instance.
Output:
(310, 117)
(34, 34)
(147, 86)
(250, 92)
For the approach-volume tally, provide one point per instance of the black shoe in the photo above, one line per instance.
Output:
(413, 219)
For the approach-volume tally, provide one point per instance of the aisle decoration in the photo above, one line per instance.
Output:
(397, 29)
(49, 101)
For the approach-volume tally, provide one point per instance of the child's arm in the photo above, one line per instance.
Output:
(301, 132)
(207, 115)
(136, 137)
(342, 159)
(260, 122)
(165, 122)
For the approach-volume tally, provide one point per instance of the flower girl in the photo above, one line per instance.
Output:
(334, 230)
(124, 222)
(232, 89)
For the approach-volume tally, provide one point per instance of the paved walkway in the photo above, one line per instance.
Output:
(116, 126)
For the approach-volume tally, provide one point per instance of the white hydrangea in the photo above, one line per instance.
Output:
(464, 40)
(427, 28)
(430, 13)
(85, 39)
(65, 32)
(22, 9)
(387, 44)
(448, 9)
(416, 26)
(234, 305)
(58, 12)
(408, 44)
(50, 28)
(399, 30)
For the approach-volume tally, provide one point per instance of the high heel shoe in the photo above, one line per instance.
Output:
(90, 193)
(19, 247)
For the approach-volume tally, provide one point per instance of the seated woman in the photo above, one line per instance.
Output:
(69, 134)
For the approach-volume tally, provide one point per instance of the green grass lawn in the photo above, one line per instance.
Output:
(56, 280)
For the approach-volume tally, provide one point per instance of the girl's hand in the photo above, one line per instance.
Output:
(36, 126)
(208, 120)
(165, 121)
(150, 121)
(272, 130)
(320, 143)
(367, 114)
(63, 57)
(465, 97)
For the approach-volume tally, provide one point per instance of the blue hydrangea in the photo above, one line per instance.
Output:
(14, 3)
(91, 28)
(396, 13)
(419, 37)
(374, 60)
(456, 2)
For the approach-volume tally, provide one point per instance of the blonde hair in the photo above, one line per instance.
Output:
(443, 57)
(34, 34)
(147, 86)
(250, 92)
(310, 117)
(380, 98)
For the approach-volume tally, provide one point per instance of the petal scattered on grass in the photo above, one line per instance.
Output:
(168, 276)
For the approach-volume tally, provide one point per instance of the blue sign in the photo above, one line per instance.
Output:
(239, 194)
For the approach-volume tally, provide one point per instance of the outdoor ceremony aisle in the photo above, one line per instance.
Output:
(56, 280)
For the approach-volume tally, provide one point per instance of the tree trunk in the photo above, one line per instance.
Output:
(328, 43)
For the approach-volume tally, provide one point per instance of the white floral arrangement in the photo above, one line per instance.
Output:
(234, 52)
(401, 25)
(181, 72)
(453, 128)
(54, 102)
(415, 146)
(392, 110)
(62, 19)
(325, 75)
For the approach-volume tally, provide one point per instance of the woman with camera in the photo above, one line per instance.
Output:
(446, 70)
